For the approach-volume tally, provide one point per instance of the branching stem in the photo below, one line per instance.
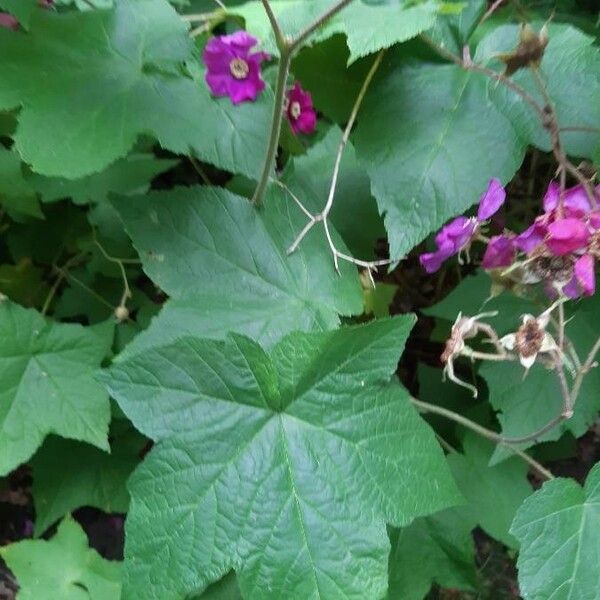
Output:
(287, 48)
(483, 431)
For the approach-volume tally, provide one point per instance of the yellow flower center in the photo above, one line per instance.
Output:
(295, 110)
(239, 68)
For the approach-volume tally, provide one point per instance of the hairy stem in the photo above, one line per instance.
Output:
(286, 51)
(276, 119)
(483, 431)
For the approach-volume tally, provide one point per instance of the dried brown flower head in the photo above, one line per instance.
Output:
(528, 53)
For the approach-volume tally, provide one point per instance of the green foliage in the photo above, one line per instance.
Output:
(419, 138)
(121, 70)
(285, 458)
(437, 548)
(205, 245)
(68, 475)
(334, 449)
(368, 28)
(63, 568)
(48, 386)
(481, 483)
(557, 528)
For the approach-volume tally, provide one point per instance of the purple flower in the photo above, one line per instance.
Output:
(500, 252)
(231, 69)
(457, 235)
(566, 236)
(299, 110)
(8, 21)
(450, 240)
(575, 200)
(491, 201)
(584, 278)
(532, 237)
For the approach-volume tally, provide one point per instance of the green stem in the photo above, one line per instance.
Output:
(483, 431)
(276, 119)
(286, 51)
(308, 31)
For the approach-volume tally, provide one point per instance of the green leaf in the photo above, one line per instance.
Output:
(560, 549)
(225, 266)
(493, 493)
(47, 372)
(421, 139)
(24, 283)
(571, 70)
(354, 213)
(436, 549)
(21, 9)
(368, 28)
(64, 568)
(109, 76)
(285, 468)
(68, 475)
(131, 175)
(473, 295)
(324, 72)
(16, 194)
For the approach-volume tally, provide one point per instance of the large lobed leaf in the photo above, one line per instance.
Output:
(90, 83)
(560, 549)
(225, 266)
(285, 467)
(47, 373)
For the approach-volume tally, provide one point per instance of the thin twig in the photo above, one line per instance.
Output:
(279, 36)
(546, 113)
(62, 272)
(286, 51)
(323, 216)
(550, 123)
(308, 31)
(469, 65)
(199, 170)
(585, 368)
(584, 128)
(483, 431)
(126, 289)
(490, 11)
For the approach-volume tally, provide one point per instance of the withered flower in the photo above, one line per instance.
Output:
(528, 53)
(531, 339)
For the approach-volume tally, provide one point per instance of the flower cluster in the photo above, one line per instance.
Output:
(234, 70)
(559, 248)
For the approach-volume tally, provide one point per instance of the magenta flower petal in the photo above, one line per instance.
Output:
(432, 261)
(531, 238)
(459, 232)
(575, 202)
(8, 21)
(500, 252)
(300, 111)
(492, 200)
(566, 236)
(585, 274)
(231, 70)
(552, 196)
